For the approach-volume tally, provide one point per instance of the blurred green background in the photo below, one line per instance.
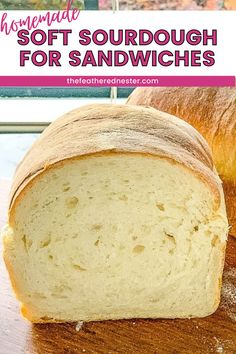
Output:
(38, 4)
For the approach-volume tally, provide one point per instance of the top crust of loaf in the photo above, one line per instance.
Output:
(106, 128)
(211, 110)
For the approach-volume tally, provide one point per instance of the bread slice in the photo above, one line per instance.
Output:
(210, 110)
(116, 212)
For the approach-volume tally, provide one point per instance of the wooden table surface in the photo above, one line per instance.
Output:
(214, 334)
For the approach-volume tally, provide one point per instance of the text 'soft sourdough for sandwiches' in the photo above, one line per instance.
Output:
(116, 212)
(212, 111)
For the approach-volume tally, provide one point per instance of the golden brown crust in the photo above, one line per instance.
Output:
(28, 315)
(230, 200)
(10, 270)
(99, 129)
(212, 111)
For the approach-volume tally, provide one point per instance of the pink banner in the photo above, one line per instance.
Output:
(120, 81)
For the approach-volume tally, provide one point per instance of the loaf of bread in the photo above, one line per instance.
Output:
(212, 111)
(116, 212)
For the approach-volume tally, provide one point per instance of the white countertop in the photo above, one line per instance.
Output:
(12, 149)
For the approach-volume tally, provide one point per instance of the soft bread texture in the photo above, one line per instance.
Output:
(212, 111)
(116, 212)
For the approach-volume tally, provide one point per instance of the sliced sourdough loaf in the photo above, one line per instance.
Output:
(116, 212)
(212, 111)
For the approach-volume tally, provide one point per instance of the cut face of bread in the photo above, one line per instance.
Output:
(116, 212)
(116, 235)
(210, 110)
